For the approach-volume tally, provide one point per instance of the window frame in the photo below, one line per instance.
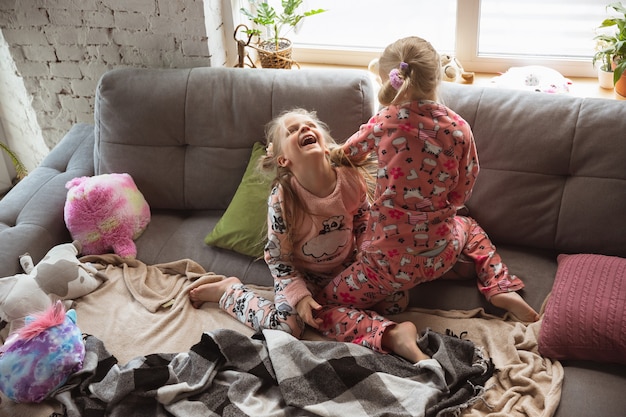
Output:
(468, 15)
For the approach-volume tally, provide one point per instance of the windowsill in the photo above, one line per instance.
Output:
(580, 87)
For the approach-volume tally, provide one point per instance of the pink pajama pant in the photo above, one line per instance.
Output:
(375, 285)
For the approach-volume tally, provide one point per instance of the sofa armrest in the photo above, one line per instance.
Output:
(31, 214)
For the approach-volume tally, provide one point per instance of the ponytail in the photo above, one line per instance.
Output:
(411, 70)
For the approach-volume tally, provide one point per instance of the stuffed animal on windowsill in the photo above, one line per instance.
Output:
(106, 213)
(40, 357)
(452, 70)
(58, 276)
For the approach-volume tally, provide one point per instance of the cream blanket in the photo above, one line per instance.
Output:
(143, 309)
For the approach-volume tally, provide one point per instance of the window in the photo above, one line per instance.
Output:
(486, 35)
(535, 29)
(370, 25)
(494, 35)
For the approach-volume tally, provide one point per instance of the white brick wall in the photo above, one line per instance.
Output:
(60, 48)
(18, 121)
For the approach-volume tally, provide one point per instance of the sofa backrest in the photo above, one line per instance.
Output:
(185, 135)
(553, 169)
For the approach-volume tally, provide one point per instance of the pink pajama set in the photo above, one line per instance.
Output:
(324, 244)
(427, 166)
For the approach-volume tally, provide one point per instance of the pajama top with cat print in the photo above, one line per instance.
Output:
(427, 166)
(324, 244)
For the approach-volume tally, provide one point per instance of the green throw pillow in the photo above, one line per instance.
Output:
(243, 226)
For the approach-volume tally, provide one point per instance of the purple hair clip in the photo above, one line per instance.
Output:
(396, 76)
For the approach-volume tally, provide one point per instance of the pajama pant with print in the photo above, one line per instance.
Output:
(376, 284)
(259, 313)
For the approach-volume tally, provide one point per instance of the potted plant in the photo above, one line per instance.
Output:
(603, 61)
(20, 169)
(612, 52)
(271, 27)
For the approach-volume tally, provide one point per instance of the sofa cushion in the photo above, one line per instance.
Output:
(198, 125)
(551, 172)
(585, 315)
(243, 227)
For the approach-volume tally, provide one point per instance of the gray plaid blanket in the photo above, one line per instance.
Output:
(274, 374)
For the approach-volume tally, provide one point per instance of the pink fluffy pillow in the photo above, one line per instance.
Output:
(585, 316)
(106, 213)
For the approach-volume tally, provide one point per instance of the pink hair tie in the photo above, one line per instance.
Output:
(395, 79)
(396, 76)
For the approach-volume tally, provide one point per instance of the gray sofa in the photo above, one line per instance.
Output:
(552, 178)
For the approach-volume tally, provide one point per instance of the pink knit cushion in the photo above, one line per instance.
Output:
(585, 316)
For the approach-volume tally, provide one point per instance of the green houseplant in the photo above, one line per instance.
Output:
(271, 26)
(612, 51)
(602, 60)
(20, 169)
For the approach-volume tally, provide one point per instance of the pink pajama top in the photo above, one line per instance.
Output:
(427, 166)
(325, 241)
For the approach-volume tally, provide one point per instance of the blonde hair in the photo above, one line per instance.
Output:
(275, 132)
(410, 69)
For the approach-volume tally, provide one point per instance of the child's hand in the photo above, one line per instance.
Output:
(305, 309)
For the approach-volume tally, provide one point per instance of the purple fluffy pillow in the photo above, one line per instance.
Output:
(585, 316)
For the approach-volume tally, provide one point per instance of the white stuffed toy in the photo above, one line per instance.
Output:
(452, 70)
(58, 276)
(106, 213)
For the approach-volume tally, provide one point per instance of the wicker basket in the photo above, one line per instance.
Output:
(271, 58)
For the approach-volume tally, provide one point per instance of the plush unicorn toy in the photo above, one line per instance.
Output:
(39, 358)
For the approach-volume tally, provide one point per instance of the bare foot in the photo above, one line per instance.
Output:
(401, 339)
(515, 304)
(211, 291)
